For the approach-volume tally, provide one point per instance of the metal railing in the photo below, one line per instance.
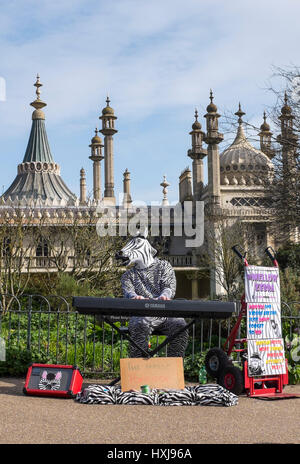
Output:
(53, 332)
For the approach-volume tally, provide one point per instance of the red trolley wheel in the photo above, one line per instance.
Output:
(231, 378)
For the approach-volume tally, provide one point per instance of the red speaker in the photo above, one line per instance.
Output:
(53, 380)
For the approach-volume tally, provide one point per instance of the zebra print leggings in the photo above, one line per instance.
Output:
(140, 328)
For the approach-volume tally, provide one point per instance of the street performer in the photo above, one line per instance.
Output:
(150, 277)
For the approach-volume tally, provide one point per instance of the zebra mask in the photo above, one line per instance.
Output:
(138, 252)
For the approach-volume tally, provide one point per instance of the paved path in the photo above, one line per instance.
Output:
(36, 420)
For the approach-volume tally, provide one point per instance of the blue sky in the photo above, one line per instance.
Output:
(156, 60)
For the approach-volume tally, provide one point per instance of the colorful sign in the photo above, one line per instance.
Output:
(262, 284)
(263, 321)
(264, 335)
(266, 357)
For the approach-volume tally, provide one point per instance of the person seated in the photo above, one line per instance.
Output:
(150, 277)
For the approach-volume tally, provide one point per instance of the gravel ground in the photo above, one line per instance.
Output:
(37, 420)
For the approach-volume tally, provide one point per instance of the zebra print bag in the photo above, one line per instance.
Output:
(97, 394)
(199, 395)
(208, 394)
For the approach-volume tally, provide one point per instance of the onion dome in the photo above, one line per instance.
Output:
(286, 109)
(265, 126)
(196, 125)
(108, 110)
(96, 139)
(241, 163)
(211, 107)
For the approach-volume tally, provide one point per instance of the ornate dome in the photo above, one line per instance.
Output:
(108, 110)
(38, 181)
(96, 139)
(211, 108)
(265, 126)
(286, 109)
(196, 125)
(242, 164)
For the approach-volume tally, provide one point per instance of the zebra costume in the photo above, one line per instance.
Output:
(150, 278)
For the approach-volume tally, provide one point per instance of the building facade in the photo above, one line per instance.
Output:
(235, 192)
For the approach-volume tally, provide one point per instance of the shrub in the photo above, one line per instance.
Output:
(289, 256)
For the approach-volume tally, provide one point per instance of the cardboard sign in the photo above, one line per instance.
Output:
(266, 357)
(262, 284)
(164, 373)
(263, 321)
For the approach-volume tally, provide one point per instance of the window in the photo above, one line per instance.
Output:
(6, 250)
(42, 249)
(251, 201)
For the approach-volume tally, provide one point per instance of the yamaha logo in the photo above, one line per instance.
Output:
(155, 305)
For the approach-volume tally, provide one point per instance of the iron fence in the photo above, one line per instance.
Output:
(53, 332)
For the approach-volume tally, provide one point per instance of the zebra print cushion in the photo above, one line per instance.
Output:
(199, 395)
(205, 394)
(176, 398)
(97, 394)
(136, 398)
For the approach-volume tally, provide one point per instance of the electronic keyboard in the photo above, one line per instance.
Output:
(153, 307)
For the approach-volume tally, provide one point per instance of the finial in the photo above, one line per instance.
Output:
(38, 103)
(265, 126)
(96, 140)
(126, 174)
(165, 184)
(211, 107)
(107, 111)
(240, 113)
(196, 125)
(286, 109)
(38, 85)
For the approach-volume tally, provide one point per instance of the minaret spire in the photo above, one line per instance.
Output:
(213, 138)
(265, 138)
(96, 156)
(197, 153)
(287, 139)
(126, 189)
(82, 199)
(108, 130)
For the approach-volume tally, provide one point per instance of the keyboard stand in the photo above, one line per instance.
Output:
(149, 353)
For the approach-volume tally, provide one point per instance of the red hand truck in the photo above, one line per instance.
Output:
(219, 365)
